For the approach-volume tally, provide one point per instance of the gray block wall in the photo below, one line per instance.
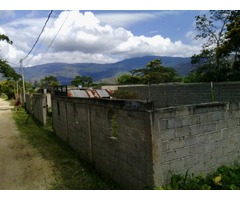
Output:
(198, 138)
(36, 106)
(87, 126)
(176, 94)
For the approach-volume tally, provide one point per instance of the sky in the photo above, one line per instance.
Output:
(97, 35)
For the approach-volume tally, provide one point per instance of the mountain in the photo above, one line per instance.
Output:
(102, 72)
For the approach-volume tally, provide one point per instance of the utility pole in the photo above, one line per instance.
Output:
(23, 82)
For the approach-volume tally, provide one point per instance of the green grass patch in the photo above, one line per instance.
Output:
(70, 171)
(224, 178)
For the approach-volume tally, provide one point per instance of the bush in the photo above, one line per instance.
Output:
(224, 178)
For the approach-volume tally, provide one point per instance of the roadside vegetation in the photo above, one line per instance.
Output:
(224, 178)
(70, 172)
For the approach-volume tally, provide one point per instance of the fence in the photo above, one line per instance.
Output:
(136, 143)
(176, 94)
(111, 134)
(36, 105)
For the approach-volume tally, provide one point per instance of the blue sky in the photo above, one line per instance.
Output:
(97, 35)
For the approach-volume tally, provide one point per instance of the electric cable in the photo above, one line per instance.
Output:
(43, 39)
(49, 15)
(54, 37)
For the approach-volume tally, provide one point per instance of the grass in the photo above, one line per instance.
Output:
(70, 171)
(224, 178)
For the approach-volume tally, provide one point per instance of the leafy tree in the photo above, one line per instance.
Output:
(7, 87)
(206, 69)
(155, 73)
(5, 38)
(210, 64)
(8, 72)
(213, 29)
(231, 45)
(85, 81)
(49, 81)
(129, 79)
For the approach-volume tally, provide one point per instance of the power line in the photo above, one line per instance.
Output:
(54, 37)
(39, 35)
(43, 39)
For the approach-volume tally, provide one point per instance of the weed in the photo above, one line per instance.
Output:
(224, 178)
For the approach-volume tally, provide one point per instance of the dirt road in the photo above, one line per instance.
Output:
(21, 166)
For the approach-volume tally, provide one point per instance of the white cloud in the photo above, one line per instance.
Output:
(82, 37)
(125, 19)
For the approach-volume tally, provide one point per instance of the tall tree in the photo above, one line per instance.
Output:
(231, 45)
(153, 73)
(212, 30)
(8, 72)
(49, 81)
(84, 81)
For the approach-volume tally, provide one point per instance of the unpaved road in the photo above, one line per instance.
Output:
(21, 166)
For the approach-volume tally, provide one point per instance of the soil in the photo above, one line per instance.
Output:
(21, 166)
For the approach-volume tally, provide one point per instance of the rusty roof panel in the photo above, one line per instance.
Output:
(90, 94)
(103, 93)
(79, 93)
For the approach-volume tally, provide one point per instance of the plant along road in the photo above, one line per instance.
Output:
(21, 166)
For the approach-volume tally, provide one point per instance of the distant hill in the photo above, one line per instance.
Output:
(102, 72)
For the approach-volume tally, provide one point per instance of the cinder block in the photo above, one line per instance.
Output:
(227, 132)
(168, 134)
(191, 141)
(178, 164)
(182, 132)
(215, 135)
(209, 127)
(181, 111)
(175, 144)
(228, 149)
(196, 129)
(191, 160)
(217, 153)
(232, 140)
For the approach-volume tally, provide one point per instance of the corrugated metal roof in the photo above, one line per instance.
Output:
(79, 93)
(99, 93)
(103, 93)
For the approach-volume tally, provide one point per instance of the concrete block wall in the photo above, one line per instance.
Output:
(196, 137)
(36, 105)
(87, 126)
(176, 94)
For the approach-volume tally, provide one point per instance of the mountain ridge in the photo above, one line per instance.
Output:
(66, 72)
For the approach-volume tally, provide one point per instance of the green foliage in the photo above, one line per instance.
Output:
(84, 81)
(153, 73)
(215, 62)
(206, 69)
(49, 81)
(7, 88)
(5, 38)
(7, 71)
(212, 28)
(224, 178)
(232, 43)
(129, 79)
